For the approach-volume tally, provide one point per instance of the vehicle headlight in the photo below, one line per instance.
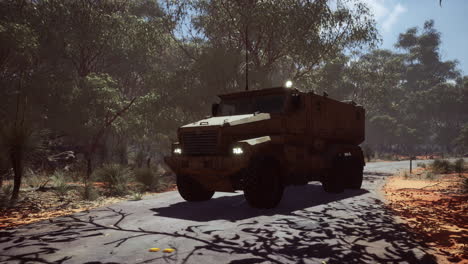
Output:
(237, 151)
(177, 151)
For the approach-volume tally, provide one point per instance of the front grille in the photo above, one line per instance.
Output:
(200, 142)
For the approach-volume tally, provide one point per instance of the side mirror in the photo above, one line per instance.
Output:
(296, 101)
(214, 109)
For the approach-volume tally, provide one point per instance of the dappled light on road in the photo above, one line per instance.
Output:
(309, 225)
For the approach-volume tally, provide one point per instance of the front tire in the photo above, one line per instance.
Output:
(191, 190)
(263, 187)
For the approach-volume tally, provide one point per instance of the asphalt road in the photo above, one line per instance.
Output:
(309, 226)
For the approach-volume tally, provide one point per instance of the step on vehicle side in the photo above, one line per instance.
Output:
(264, 140)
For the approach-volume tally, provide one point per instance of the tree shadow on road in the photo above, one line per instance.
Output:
(337, 231)
(234, 208)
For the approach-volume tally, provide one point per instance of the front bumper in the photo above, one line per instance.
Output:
(213, 172)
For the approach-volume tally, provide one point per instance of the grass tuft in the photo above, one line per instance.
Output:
(5, 194)
(59, 184)
(115, 178)
(421, 165)
(136, 196)
(441, 166)
(459, 166)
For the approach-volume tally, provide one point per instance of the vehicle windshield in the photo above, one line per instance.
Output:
(263, 104)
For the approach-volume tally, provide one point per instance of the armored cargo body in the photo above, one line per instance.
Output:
(264, 140)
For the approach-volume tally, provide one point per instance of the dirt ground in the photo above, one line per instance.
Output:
(35, 206)
(436, 208)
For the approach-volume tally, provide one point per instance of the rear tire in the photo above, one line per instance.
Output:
(354, 175)
(191, 190)
(263, 187)
(333, 183)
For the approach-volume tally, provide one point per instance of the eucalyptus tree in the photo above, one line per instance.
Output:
(432, 102)
(90, 58)
(424, 65)
(282, 39)
(18, 64)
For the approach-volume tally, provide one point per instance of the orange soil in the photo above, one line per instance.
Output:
(436, 209)
(36, 206)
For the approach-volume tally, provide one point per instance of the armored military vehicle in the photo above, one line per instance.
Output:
(264, 140)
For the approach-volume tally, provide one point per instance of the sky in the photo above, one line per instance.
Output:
(451, 20)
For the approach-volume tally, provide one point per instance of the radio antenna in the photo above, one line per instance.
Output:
(246, 57)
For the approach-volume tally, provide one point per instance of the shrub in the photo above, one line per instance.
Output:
(406, 175)
(147, 178)
(115, 178)
(440, 166)
(136, 196)
(5, 194)
(59, 184)
(89, 193)
(22, 143)
(164, 183)
(430, 176)
(150, 181)
(76, 176)
(459, 166)
(36, 180)
(421, 165)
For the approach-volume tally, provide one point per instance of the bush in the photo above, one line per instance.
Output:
(136, 196)
(115, 178)
(430, 176)
(441, 166)
(163, 183)
(421, 165)
(5, 194)
(36, 180)
(459, 166)
(147, 178)
(406, 175)
(59, 184)
(150, 181)
(89, 193)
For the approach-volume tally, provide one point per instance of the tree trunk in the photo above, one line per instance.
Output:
(148, 162)
(103, 154)
(122, 152)
(17, 163)
(89, 166)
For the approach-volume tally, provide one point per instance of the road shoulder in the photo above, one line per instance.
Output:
(434, 207)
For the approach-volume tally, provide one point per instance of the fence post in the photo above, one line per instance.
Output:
(411, 164)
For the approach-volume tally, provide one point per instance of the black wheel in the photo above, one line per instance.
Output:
(262, 183)
(354, 173)
(333, 182)
(191, 190)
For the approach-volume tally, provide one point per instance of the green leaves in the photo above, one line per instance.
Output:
(300, 34)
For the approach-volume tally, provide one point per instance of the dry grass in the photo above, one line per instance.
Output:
(34, 205)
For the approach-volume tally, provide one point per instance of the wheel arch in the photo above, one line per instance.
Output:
(336, 150)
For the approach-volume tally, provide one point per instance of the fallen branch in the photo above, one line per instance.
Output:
(431, 185)
(403, 189)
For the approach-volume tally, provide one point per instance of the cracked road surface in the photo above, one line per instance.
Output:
(309, 226)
